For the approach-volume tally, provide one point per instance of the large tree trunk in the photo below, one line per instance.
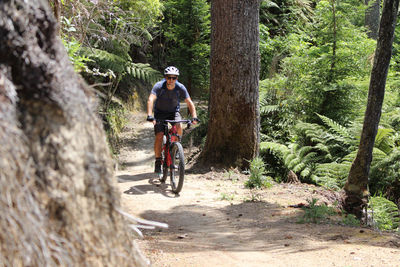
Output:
(372, 14)
(233, 130)
(58, 205)
(356, 188)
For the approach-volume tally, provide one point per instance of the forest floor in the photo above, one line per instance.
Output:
(216, 221)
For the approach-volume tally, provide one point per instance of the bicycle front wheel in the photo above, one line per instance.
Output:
(177, 170)
(164, 167)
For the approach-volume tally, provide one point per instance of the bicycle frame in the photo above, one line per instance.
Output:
(173, 158)
(172, 136)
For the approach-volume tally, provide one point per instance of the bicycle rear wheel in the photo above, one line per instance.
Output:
(177, 170)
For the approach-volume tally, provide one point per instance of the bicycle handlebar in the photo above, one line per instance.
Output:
(188, 122)
(174, 121)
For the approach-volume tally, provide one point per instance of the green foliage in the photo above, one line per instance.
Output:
(79, 61)
(323, 64)
(314, 213)
(350, 220)
(282, 16)
(385, 213)
(324, 156)
(119, 66)
(342, 132)
(276, 118)
(186, 28)
(101, 21)
(257, 178)
(143, 72)
(73, 47)
(385, 174)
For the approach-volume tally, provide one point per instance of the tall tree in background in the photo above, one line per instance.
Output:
(234, 119)
(356, 188)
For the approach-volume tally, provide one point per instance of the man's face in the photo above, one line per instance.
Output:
(171, 79)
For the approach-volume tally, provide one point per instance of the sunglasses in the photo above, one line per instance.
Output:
(171, 78)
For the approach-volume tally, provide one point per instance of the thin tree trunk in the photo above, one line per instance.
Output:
(356, 188)
(233, 129)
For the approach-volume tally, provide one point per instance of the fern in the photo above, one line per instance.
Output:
(385, 213)
(121, 65)
(385, 172)
(383, 140)
(299, 159)
(105, 60)
(337, 128)
(143, 72)
(267, 109)
(331, 175)
(275, 148)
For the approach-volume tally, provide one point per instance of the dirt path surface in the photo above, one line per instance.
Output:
(215, 221)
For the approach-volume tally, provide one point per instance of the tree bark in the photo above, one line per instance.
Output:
(58, 204)
(372, 15)
(356, 188)
(234, 119)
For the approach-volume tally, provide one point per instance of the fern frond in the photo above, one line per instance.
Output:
(331, 175)
(385, 213)
(267, 109)
(143, 72)
(276, 149)
(336, 127)
(306, 172)
(105, 60)
(387, 161)
(377, 156)
(304, 151)
(383, 140)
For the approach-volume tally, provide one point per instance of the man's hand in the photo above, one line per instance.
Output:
(195, 120)
(150, 118)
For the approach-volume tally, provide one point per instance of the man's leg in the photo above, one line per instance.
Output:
(179, 129)
(159, 133)
(158, 144)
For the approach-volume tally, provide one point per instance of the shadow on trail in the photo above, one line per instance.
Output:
(133, 178)
(249, 226)
(146, 161)
(154, 185)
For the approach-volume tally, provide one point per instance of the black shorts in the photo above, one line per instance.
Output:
(159, 127)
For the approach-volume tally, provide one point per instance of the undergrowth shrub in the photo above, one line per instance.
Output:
(258, 178)
(314, 213)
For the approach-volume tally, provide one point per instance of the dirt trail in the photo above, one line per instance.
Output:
(213, 222)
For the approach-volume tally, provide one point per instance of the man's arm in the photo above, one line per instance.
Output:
(191, 107)
(150, 104)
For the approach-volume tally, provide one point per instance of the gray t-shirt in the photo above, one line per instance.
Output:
(168, 100)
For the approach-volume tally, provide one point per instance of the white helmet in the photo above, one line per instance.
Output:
(171, 70)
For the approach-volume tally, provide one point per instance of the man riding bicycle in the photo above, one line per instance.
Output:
(165, 99)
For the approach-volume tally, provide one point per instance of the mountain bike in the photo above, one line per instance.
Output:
(172, 157)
